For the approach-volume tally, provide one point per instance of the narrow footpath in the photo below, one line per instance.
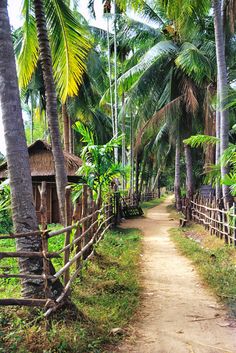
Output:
(177, 314)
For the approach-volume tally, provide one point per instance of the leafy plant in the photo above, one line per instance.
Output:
(98, 170)
(5, 202)
(228, 158)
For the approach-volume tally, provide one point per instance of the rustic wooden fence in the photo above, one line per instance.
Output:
(80, 238)
(217, 220)
(86, 225)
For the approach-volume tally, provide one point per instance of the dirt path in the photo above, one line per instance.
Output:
(177, 314)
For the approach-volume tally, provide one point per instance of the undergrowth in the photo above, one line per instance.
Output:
(106, 295)
(153, 203)
(215, 261)
(11, 287)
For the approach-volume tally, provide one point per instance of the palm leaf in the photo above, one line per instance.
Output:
(201, 140)
(27, 44)
(194, 63)
(70, 46)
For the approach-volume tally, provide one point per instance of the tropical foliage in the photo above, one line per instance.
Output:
(98, 170)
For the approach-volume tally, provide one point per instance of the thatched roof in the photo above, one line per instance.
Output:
(41, 161)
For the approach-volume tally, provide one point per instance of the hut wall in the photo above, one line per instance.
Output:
(52, 202)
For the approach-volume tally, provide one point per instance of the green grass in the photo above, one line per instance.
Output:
(11, 287)
(215, 261)
(153, 203)
(106, 295)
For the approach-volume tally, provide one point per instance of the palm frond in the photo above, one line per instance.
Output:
(70, 46)
(194, 63)
(201, 140)
(170, 108)
(27, 46)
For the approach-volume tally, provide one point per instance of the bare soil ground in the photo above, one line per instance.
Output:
(177, 314)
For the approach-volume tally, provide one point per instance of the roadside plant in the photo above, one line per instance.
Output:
(228, 159)
(98, 168)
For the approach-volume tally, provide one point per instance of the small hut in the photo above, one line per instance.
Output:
(42, 169)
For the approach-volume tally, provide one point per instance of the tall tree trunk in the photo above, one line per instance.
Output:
(23, 210)
(115, 83)
(71, 137)
(109, 75)
(32, 117)
(156, 180)
(218, 187)
(123, 140)
(222, 87)
(209, 129)
(66, 128)
(189, 172)
(51, 105)
(177, 175)
(137, 172)
(131, 155)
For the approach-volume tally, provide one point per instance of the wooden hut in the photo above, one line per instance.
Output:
(42, 169)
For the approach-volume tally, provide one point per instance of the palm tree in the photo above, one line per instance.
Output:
(65, 58)
(221, 87)
(23, 211)
(51, 105)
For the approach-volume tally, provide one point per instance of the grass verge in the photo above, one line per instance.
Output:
(215, 261)
(106, 295)
(153, 203)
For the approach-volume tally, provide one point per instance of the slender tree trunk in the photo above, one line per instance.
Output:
(23, 210)
(110, 74)
(189, 172)
(71, 137)
(222, 87)
(156, 180)
(32, 117)
(66, 128)
(137, 176)
(218, 187)
(51, 105)
(131, 155)
(143, 179)
(115, 83)
(177, 175)
(123, 140)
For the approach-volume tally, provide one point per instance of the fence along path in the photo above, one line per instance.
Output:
(88, 228)
(218, 221)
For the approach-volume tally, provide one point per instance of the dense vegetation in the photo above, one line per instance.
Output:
(106, 294)
(131, 100)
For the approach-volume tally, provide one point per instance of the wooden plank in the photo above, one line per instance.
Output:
(20, 235)
(28, 254)
(27, 302)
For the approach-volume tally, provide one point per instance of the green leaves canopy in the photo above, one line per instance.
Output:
(70, 44)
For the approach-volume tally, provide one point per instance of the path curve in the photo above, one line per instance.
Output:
(177, 314)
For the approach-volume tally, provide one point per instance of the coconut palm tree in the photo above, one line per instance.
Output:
(168, 75)
(62, 58)
(22, 205)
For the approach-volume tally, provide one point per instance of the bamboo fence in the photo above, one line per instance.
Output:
(80, 239)
(217, 220)
(84, 229)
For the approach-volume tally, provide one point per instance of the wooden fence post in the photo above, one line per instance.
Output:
(67, 234)
(84, 213)
(43, 216)
(77, 215)
(234, 223)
